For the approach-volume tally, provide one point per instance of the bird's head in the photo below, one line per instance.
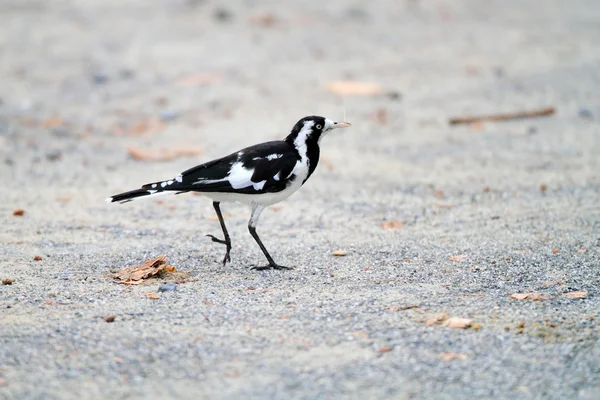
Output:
(313, 128)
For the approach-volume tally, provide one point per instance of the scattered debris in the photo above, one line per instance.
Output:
(548, 284)
(37, 258)
(437, 319)
(151, 295)
(162, 154)
(263, 20)
(555, 251)
(529, 296)
(459, 323)
(458, 258)
(570, 295)
(452, 356)
(7, 281)
(339, 253)
(402, 308)
(199, 80)
(155, 268)
(18, 212)
(110, 318)
(385, 349)
(503, 117)
(167, 287)
(391, 226)
(351, 87)
(543, 187)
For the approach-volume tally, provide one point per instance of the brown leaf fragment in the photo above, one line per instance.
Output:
(162, 154)
(543, 187)
(352, 87)
(548, 284)
(7, 281)
(503, 117)
(529, 296)
(151, 295)
(110, 318)
(339, 253)
(263, 20)
(53, 122)
(18, 212)
(363, 335)
(459, 323)
(37, 258)
(198, 80)
(385, 349)
(437, 319)
(575, 295)
(391, 226)
(555, 251)
(154, 268)
(458, 258)
(453, 356)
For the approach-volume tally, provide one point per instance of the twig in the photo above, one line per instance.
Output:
(504, 117)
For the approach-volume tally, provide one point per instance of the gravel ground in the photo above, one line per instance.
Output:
(488, 210)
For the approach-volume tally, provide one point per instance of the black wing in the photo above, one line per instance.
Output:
(262, 168)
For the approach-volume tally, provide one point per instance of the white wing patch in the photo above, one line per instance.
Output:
(276, 176)
(274, 156)
(238, 177)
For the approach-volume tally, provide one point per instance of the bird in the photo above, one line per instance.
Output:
(259, 176)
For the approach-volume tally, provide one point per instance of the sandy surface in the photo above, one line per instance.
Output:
(84, 81)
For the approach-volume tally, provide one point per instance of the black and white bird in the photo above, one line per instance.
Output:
(259, 175)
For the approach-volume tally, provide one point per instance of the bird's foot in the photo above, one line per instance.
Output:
(227, 243)
(271, 266)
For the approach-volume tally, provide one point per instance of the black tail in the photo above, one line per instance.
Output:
(130, 196)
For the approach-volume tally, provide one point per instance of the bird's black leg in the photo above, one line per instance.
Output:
(256, 210)
(227, 241)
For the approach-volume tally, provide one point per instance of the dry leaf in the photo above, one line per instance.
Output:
(458, 258)
(575, 295)
(198, 80)
(264, 20)
(582, 250)
(543, 187)
(7, 281)
(151, 295)
(392, 226)
(283, 316)
(37, 258)
(460, 323)
(351, 87)
(18, 212)
(554, 251)
(438, 318)
(385, 349)
(110, 318)
(339, 253)
(162, 154)
(154, 268)
(452, 356)
(53, 122)
(529, 296)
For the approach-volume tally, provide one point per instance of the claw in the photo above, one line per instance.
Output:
(271, 266)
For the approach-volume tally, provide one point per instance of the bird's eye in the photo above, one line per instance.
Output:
(318, 126)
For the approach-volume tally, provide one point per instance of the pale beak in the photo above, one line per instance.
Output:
(340, 125)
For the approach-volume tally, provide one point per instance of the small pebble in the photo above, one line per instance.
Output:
(167, 287)
(584, 113)
(99, 79)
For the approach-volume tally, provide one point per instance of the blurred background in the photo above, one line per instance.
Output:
(99, 97)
